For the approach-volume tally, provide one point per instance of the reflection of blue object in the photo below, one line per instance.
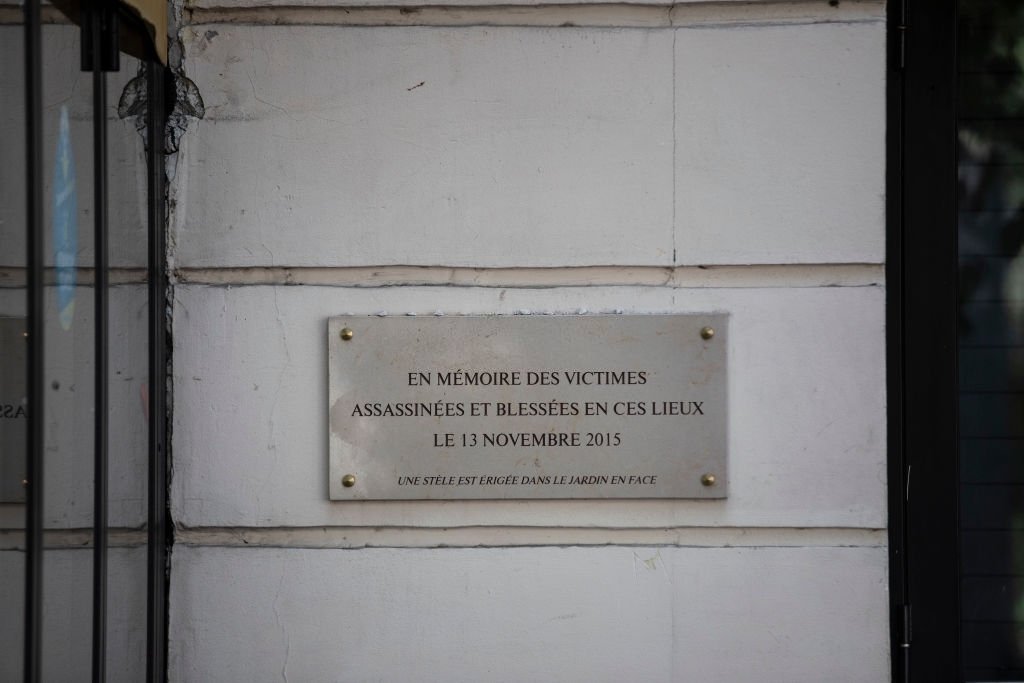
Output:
(65, 222)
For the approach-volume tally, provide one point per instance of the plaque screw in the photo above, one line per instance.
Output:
(24, 483)
(708, 480)
(707, 332)
(348, 481)
(347, 335)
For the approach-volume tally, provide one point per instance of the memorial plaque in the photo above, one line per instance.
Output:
(528, 406)
(13, 408)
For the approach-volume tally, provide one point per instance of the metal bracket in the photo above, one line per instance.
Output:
(100, 36)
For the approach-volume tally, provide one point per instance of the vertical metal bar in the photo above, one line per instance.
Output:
(928, 483)
(101, 428)
(156, 577)
(34, 256)
(899, 638)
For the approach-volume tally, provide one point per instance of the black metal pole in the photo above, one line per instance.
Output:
(928, 483)
(899, 623)
(34, 256)
(156, 573)
(99, 16)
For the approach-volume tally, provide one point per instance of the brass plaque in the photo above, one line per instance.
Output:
(528, 406)
(13, 408)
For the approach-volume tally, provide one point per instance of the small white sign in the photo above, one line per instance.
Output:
(528, 406)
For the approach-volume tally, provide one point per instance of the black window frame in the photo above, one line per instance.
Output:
(921, 267)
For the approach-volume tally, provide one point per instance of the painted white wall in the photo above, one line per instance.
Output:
(487, 159)
(523, 614)
(806, 402)
(534, 146)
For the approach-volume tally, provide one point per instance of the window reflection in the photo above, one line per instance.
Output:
(991, 336)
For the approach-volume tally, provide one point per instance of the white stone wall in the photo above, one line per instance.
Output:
(479, 158)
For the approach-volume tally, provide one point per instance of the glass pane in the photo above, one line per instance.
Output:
(68, 356)
(70, 367)
(13, 345)
(128, 374)
(991, 337)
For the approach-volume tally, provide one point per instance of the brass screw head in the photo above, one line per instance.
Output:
(348, 481)
(347, 334)
(708, 479)
(707, 332)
